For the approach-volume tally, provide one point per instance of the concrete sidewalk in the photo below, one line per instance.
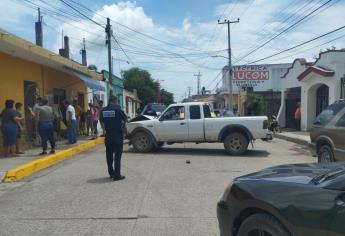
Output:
(32, 154)
(299, 137)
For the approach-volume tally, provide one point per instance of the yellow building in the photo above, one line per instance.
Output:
(27, 71)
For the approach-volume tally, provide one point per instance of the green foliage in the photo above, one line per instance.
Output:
(256, 104)
(166, 97)
(136, 78)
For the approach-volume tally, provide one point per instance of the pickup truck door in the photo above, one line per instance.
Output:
(195, 124)
(172, 125)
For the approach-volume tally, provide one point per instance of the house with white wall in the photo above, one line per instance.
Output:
(314, 85)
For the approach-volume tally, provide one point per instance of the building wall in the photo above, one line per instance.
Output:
(131, 103)
(14, 71)
(331, 61)
(287, 82)
(308, 101)
(116, 88)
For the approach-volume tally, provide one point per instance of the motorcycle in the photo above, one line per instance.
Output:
(274, 125)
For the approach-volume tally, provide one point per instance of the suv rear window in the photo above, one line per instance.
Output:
(328, 114)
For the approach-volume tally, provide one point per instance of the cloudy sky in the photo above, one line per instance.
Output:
(174, 40)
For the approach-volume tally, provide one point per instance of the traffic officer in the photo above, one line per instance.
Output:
(113, 119)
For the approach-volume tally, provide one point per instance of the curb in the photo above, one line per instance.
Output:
(292, 139)
(20, 172)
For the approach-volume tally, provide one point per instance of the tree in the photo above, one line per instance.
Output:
(256, 104)
(166, 97)
(140, 80)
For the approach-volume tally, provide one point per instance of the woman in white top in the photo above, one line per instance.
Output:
(71, 123)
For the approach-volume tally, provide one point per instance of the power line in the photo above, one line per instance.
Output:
(124, 52)
(285, 30)
(301, 44)
(308, 49)
(209, 84)
(82, 14)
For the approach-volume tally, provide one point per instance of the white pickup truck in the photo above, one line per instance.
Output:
(196, 122)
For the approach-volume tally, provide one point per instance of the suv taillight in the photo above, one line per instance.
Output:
(265, 124)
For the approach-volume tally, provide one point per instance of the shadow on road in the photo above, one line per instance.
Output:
(102, 180)
(204, 152)
(300, 150)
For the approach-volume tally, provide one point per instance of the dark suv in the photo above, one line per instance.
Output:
(328, 134)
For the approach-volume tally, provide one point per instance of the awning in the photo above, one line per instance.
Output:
(88, 81)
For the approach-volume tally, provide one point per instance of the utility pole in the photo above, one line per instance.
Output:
(189, 91)
(228, 22)
(198, 81)
(109, 32)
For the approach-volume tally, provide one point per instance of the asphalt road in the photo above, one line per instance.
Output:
(161, 195)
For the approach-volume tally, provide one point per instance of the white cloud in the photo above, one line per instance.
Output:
(186, 24)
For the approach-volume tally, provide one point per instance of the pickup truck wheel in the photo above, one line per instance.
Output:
(236, 144)
(142, 142)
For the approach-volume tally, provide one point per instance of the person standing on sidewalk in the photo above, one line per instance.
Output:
(45, 119)
(71, 123)
(113, 119)
(78, 112)
(100, 108)
(19, 107)
(298, 116)
(9, 128)
(94, 121)
(88, 120)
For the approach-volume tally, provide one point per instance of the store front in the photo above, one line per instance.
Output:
(29, 71)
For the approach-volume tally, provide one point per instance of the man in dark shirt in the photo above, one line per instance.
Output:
(113, 119)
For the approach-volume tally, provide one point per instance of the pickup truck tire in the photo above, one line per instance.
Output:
(236, 144)
(142, 142)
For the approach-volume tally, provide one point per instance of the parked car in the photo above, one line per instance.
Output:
(298, 200)
(196, 122)
(328, 134)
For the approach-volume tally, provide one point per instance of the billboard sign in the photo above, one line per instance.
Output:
(250, 75)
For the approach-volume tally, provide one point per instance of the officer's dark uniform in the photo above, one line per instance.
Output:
(113, 118)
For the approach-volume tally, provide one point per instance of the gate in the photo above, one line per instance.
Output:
(322, 98)
(293, 96)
